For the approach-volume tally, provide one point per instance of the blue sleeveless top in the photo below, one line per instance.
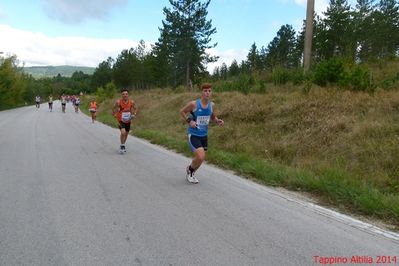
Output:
(202, 117)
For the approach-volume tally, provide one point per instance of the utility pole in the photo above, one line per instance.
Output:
(307, 51)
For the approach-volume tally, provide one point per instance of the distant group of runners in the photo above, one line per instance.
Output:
(63, 99)
(197, 114)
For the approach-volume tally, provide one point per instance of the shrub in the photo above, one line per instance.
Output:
(298, 76)
(262, 86)
(244, 83)
(328, 71)
(280, 76)
(389, 83)
(360, 79)
(105, 93)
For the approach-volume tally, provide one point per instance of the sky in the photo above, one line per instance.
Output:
(87, 32)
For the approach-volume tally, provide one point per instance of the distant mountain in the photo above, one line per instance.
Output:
(52, 71)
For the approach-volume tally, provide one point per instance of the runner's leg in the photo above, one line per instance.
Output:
(199, 157)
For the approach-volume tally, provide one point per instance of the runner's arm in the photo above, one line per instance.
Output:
(115, 108)
(134, 108)
(214, 118)
(185, 111)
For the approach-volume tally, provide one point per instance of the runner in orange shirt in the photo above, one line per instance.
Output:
(93, 109)
(124, 110)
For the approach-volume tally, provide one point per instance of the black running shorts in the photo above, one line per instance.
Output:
(196, 142)
(126, 126)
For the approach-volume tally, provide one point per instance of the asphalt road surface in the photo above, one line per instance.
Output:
(68, 198)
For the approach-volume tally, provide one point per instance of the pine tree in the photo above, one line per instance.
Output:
(253, 58)
(389, 27)
(280, 51)
(234, 69)
(102, 74)
(364, 28)
(185, 37)
(339, 36)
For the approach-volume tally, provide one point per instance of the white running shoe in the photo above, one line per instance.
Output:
(190, 176)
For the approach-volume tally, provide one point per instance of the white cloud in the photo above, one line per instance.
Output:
(37, 49)
(321, 5)
(226, 57)
(76, 11)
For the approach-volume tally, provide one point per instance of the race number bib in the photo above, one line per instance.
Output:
(202, 121)
(126, 117)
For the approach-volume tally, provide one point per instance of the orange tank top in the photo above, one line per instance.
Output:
(93, 105)
(124, 107)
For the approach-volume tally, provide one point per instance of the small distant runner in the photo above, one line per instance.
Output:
(197, 114)
(124, 110)
(37, 100)
(76, 104)
(63, 102)
(93, 109)
(50, 103)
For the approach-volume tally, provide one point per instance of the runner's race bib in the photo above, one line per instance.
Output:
(126, 117)
(203, 121)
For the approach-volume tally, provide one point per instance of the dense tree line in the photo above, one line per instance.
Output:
(365, 33)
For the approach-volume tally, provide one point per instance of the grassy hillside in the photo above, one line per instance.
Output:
(340, 146)
(52, 71)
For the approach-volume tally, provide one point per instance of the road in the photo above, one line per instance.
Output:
(68, 198)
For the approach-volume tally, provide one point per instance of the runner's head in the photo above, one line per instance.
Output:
(206, 90)
(125, 94)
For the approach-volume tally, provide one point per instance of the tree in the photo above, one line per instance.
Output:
(80, 82)
(216, 73)
(102, 74)
(338, 23)
(223, 71)
(253, 58)
(389, 27)
(280, 51)
(185, 36)
(364, 25)
(124, 69)
(298, 53)
(234, 69)
(320, 48)
(13, 83)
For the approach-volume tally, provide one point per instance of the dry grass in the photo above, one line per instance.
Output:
(326, 129)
